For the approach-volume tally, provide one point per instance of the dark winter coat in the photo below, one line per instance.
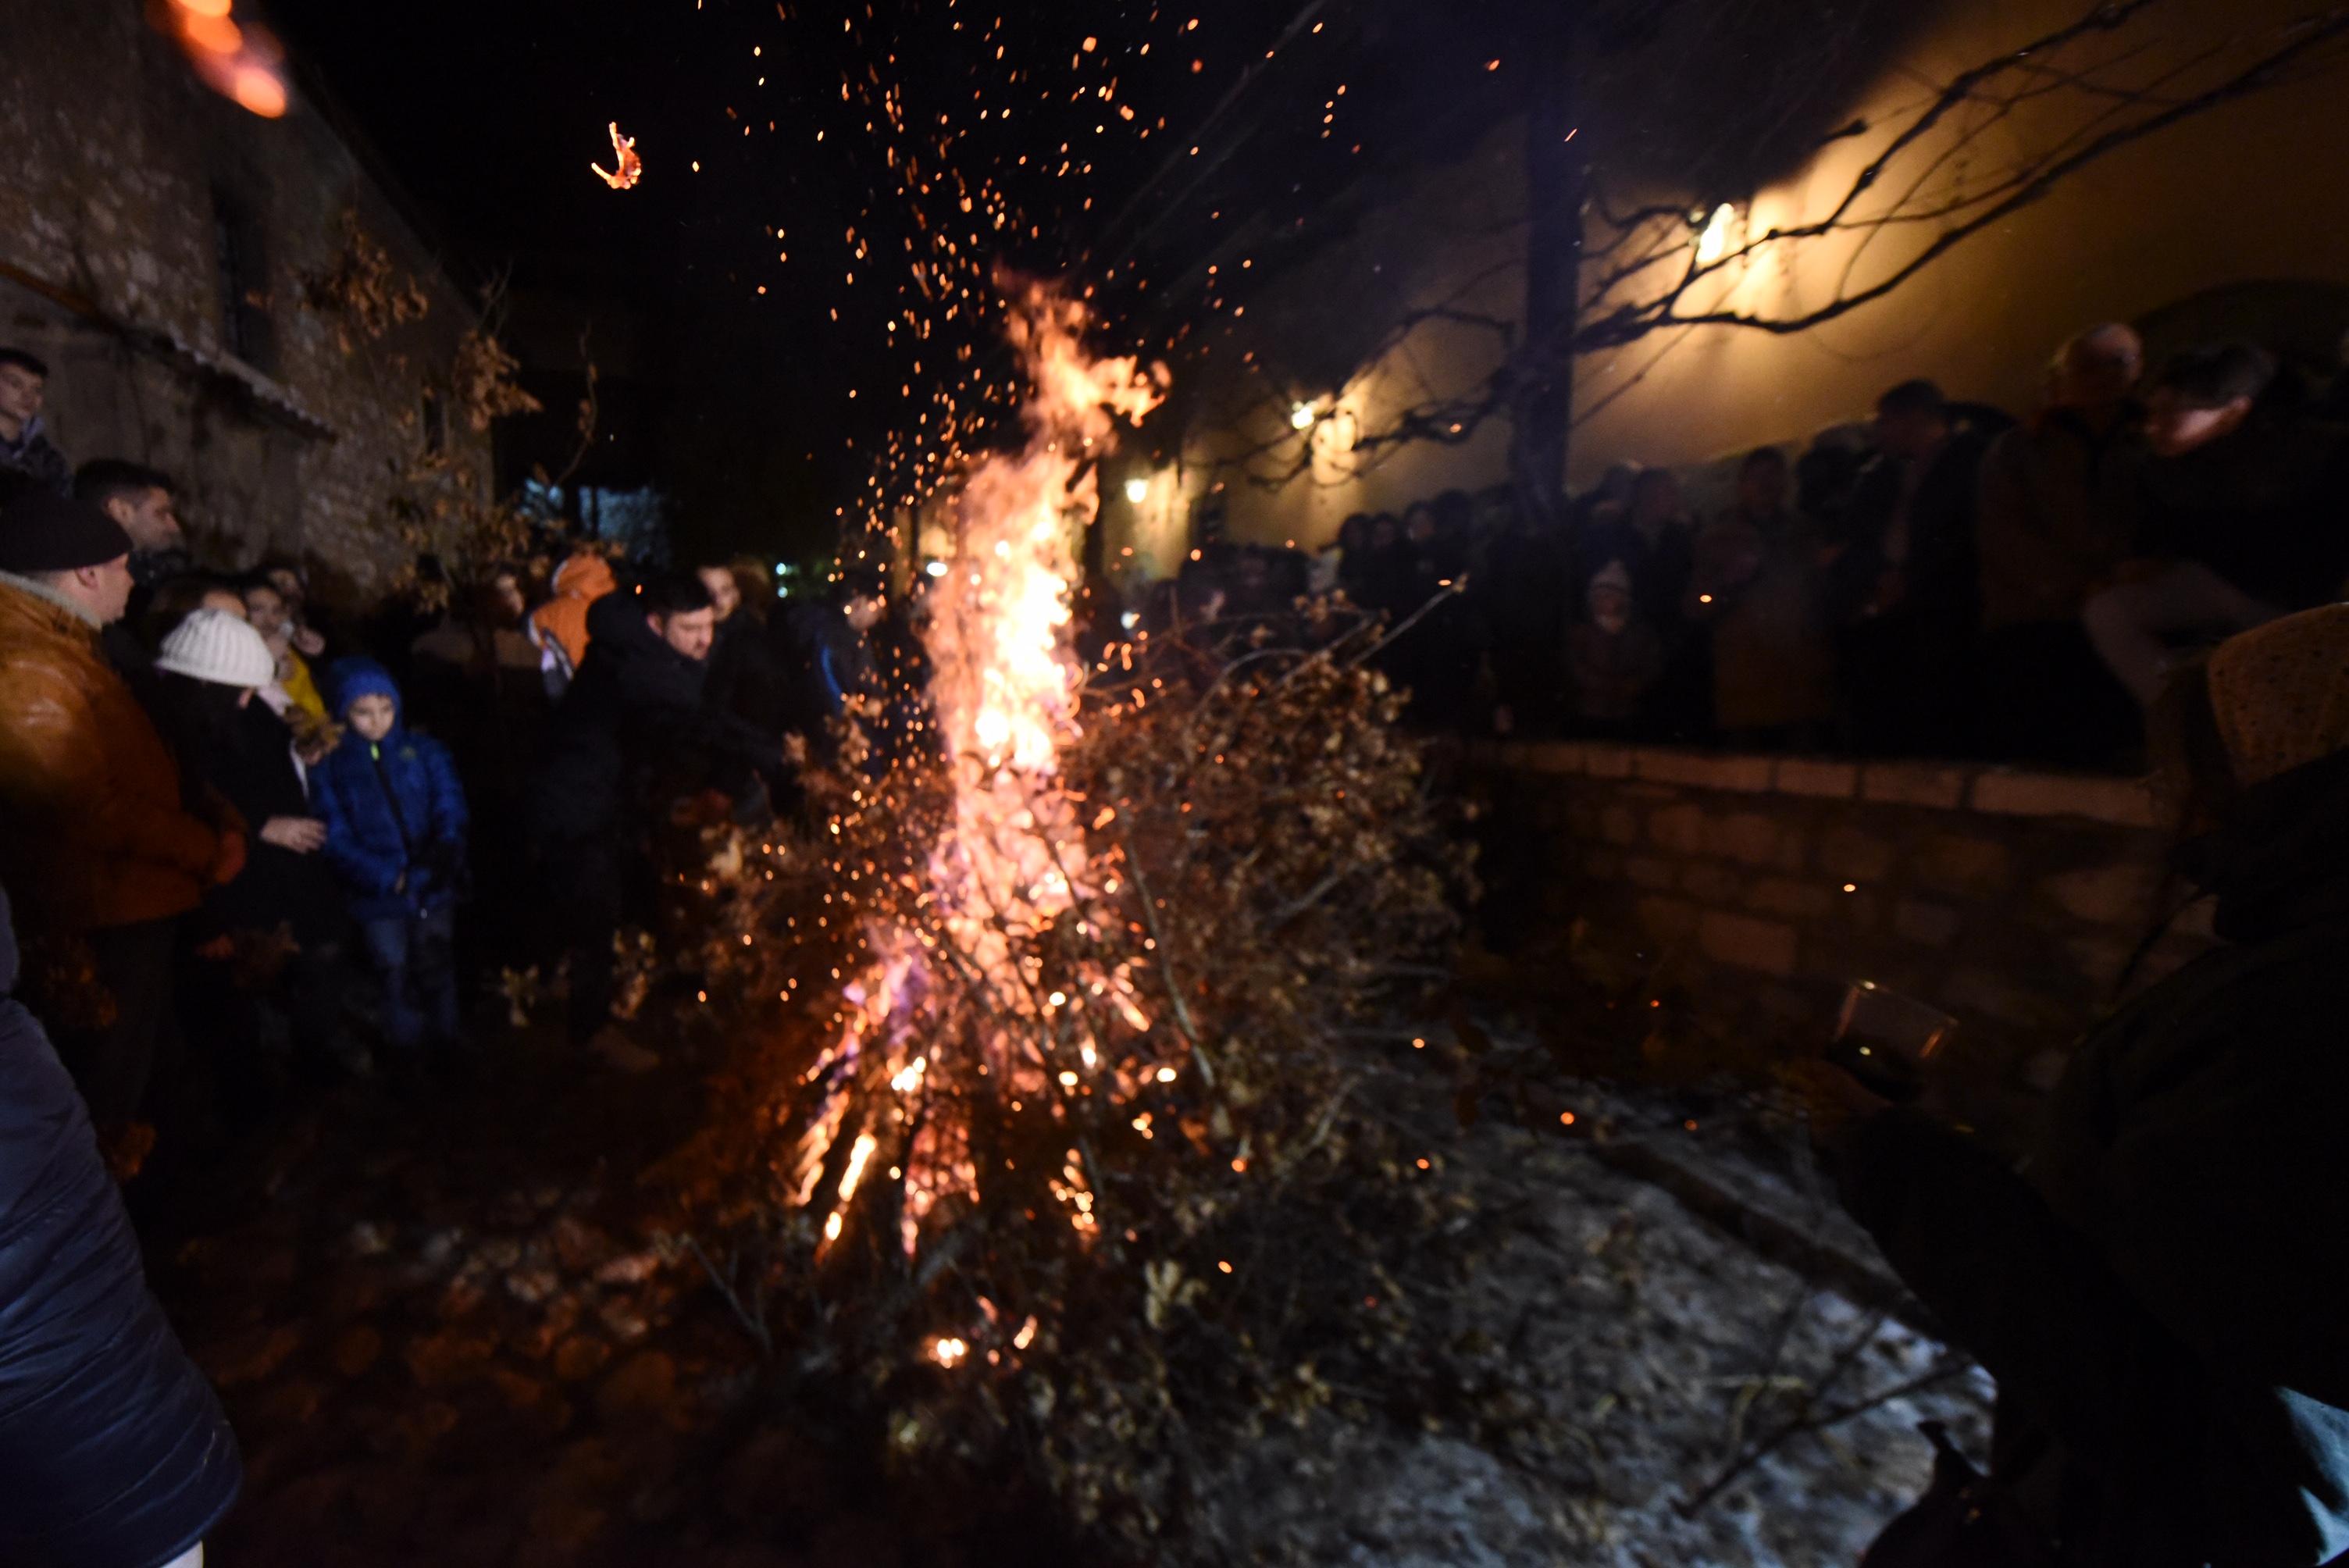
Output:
(633, 732)
(2051, 518)
(1942, 573)
(244, 755)
(32, 462)
(832, 659)
(746, 680)
(113, 1450)
(2266, 508)
(395, 810)
(2160, 1296)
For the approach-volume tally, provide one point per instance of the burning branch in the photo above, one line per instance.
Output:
(629, 168)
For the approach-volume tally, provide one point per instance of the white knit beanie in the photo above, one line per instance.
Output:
(216, 646)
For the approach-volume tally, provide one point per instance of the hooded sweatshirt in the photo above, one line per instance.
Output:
(394, 808)
(113, 1449)
(562, 621)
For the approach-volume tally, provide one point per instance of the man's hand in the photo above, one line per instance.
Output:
(303, 835)
(1833, 1101)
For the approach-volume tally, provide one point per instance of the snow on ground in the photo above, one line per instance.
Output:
(1649, 1347)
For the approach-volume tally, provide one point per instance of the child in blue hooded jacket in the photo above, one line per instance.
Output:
(396, 820)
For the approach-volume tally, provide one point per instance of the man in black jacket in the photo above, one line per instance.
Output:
(1905, 579)
(112, 1446)
(631, 738)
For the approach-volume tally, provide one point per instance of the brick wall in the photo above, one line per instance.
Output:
(2012, 899)
(111, 196)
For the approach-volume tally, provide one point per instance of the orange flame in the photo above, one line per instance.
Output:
(1004, 689)
(624, 153)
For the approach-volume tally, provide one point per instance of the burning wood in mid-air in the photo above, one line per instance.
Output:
(624, 153)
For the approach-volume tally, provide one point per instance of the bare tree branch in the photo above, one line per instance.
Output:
(1963, 109)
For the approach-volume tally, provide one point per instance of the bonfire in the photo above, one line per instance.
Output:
(1048, 1133)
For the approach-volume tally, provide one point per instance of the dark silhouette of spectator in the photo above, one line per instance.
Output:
(1328, 569)
(1523, 595)
(1905, 581)
(113, 1448)
(1438, 657)
(1656, 541)
(272, 938)
(2238, 517)
(1610, 498)
(29, 461)
(632, 739)
(1755, 587)
(2051, 527)
(475, 683)
(1826, 476)
(827, 649)
(1613, 656)
(746, 679)
(1385, 582)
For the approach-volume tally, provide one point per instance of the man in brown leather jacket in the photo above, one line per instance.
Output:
(95, 838)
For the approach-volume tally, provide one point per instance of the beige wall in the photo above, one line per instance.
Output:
(2255, 191)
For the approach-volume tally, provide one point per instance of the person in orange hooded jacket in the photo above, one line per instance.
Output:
(559, 626)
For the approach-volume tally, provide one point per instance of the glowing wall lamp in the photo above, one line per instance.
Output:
(1712, 239)
(1137, 490)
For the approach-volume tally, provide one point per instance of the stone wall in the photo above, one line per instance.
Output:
(121, 171)
(2012, 899)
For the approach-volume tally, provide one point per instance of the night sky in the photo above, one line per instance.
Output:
(822, 281)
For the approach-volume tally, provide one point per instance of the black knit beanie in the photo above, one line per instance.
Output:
(43, 532)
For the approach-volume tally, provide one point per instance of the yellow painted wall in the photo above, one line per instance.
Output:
(2255, 190)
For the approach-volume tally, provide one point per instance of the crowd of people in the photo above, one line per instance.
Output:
(1947, 581)
(220, 812)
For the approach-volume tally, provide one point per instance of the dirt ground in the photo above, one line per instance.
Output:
(450, 1330)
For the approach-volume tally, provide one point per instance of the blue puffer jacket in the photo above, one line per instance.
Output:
(113, 1451)
(393, 809)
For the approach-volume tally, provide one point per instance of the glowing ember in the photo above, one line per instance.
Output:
(630, 169)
